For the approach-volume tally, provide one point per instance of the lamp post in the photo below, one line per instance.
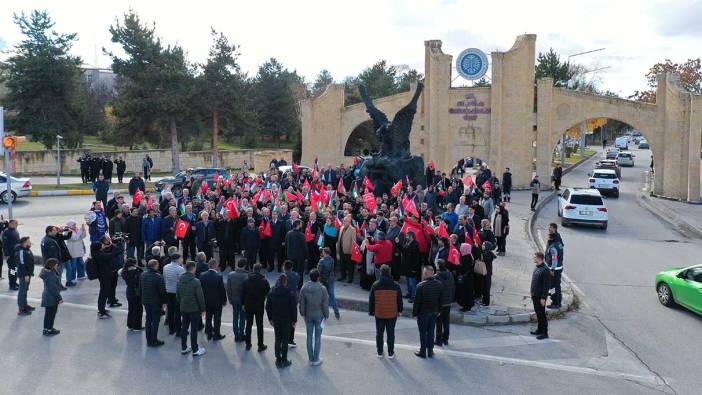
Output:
(58, 159)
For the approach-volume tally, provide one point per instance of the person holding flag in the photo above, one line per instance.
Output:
(188, 241)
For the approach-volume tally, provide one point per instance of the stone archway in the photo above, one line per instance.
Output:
(362, 141)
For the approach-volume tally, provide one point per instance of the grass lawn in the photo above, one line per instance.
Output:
(574, 157)
(76, 186)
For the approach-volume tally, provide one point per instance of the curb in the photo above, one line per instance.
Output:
(74, 192)
(668, 216)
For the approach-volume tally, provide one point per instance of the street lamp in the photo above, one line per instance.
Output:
(58, 159)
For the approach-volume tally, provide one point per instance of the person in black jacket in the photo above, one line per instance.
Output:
(215, 299)
(121, 168)
(443, 320)
(296, 249)
(411, 265)
(53, 245)
(281, 307)
(224, 229)
(136, 183)
(168, 227)
(188, 243)
(135, 244)
(105, 262)
(253, 297)
(10, 240)
(275, 243)
(540, 283)
(506, 185)
(205, 231)
(24, 260)
(250, 241)
(153, 296)
(427, 303)
(131, 274)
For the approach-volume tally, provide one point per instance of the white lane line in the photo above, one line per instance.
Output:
(649, 379)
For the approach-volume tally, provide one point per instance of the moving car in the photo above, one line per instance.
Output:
(612, 153)
(605, 181)
(681, 286)
(643, 144)
(609, 164)
(582, 206)
(622, 143)
(20, 187)
(625, 158)
(177, 180)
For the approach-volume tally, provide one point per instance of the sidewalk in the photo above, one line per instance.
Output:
(684, 217)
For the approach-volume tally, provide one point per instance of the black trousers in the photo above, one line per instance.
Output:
(556, 284)
(11, 278)
(172, 313)
(250, 258)
(112, 295)
(443, 325)
(105, 287)
(153, 317)
(258, 315)
(191, 320)
(227, 257)
(534, 200)
(120, 176)
(385, 325)
(300, 270)
(501, 244)
(347, 266)
(282, 334)
(50, 316)
(557, 182)
(540, 311)
(213, 314)
(277, 258)
(189, 248)
(134, 311)
(264, 253)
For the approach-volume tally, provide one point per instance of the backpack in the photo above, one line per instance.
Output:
(91, 269)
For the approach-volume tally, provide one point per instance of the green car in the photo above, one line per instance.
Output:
(681, 286)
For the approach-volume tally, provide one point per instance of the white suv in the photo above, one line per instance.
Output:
(605, 181)
(625, 158)
(582, 206)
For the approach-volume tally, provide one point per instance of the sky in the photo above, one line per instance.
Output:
(347, 36)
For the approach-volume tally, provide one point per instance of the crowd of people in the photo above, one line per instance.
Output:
(174, 253)
(93, 165)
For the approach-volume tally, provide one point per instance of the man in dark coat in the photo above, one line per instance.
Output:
(276, 242)
(427, 303)
(100, 187)
(296, 249)
(10, 240)
(136, 183)
(250, 241)
(83, 162)
(506, 185)
(153, 295)
(281, 307)
(107, 167)
(253, 297)
(121, 168)
(540, 284)
(215, 299)
(105, 262)
(135, 245)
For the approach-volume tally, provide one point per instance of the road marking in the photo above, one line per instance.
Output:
(648, 379)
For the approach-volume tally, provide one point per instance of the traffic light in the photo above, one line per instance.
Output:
(11, 142)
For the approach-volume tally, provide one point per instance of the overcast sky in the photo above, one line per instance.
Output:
(346, 36)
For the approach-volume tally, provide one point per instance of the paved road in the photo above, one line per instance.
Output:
(615, 270)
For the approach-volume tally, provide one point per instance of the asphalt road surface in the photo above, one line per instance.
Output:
(615, 270)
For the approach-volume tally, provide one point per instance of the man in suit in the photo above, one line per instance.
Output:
(215, 299)
(121, 168)
(276, 242)
(296, 249)
(329, 175)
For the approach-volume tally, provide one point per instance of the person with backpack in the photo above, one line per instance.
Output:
(131, 274)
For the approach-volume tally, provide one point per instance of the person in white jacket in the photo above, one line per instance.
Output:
(76, 248)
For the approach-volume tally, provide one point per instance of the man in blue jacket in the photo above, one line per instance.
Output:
(151, 227)
(100, 187)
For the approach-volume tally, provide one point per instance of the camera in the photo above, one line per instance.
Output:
(213, 242)
(120, 237)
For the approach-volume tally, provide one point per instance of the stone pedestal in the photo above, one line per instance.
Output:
(385, 171)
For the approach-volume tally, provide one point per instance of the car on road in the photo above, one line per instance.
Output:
(612, 153)
(606, 181)
(625, 158)
(622, 143)
(643, 144)
(20, 187)
(177, 180)
(609, 164)
(582, 206)
(681, 286)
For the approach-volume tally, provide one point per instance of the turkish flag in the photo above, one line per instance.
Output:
(138, 195)
(265, 229)
(368, 184)
(290, 196)
(296, 168)
(467, 181)
(337, 223)
(181, 229)
(396, 188)
(409, 206)
(306, 184)
(454, 256)
(369, 201)
(150, 202)
(231, 207)
(216, 176)
(476, 238)
(442, 231)
(432, 165)
(356, 253)
(308, 232)
(468, 239)
(340, 188)
(205, 187)
(487, 186)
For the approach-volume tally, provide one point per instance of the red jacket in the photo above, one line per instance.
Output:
(382, 250)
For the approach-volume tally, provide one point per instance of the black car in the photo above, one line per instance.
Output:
(177, 180)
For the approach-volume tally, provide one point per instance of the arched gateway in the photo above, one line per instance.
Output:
(515, 122)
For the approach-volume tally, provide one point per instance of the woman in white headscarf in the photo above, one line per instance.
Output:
(76, 248)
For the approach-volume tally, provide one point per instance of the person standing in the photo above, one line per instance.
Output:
(250, 241)
(105, 263)
(135, 244)
(535, 187)
(100, 187)
(215, 299)
(281, 308)
(191, 302)
(293, 280)
(554, 261)
(385, 303)
(121, 168)
(204, 232)
(276, 242)
(136, 182)
(557, 176)
(24, 260)
(327, 277)
(76, 249)
(411, 264)
(188, 243)
(501, 228)
(235, 287)
(10, 240)
(296, 249)
(151, 228)
(253, 297)
(51, 296)
(427, 302)
(314, 308)
(131, 274)
(171, 273)
(443, 320)
(153, 295)
(540, 280)
(344, 247)
(146, 165)
(168, 228)
(506, 185)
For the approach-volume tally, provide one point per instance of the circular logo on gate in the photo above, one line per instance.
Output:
(472, 64)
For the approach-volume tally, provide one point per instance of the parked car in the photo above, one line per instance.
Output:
(582, 206)
(177, 180)
(612, 153)
(625, 158)
(606, 181)
(643, 144)
(609, 164)
(20, 187)
(681, 286)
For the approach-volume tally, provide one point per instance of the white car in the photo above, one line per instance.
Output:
(21, 187)
(606, 181)
(625, 158)
(582, 206)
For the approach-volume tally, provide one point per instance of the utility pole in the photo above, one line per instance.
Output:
(58, 159)
(8, 166)
(583, 130)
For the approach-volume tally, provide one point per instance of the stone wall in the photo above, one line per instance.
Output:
(44, 162)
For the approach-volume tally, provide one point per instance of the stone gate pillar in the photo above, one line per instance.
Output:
(544, 145)
(695, 140)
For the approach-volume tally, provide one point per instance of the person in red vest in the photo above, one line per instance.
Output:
(382, 250)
